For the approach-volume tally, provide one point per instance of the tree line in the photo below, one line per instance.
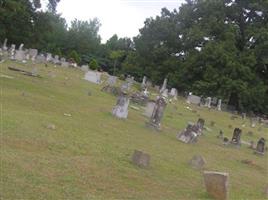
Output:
(209, 47)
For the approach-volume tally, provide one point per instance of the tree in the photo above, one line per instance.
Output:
(93, 64)
(115, 56)
(74, 55)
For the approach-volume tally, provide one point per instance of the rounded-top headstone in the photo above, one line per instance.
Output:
(197, 162)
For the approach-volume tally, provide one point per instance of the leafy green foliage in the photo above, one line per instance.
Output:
(93, 64)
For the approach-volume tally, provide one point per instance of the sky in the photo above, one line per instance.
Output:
(121, 17)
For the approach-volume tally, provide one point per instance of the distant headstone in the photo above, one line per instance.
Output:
(143, 84)
(65, 64)
(92, 76)
(41, 58)
(236, 139)
(252, 145)
(260, 149)
(125, 86)
(197, 162)
(56, 59)
(35, 71)
(121, 108)
(49, 57)
(12, 51)
(208, 102)
(33, 53)
(244, 116)
(20, 55)
(4, 47)
(217, 184)
(174, 93)
(193, 99)
(21, 47)
(164, 86)
(158, 112)
(219, 105)
(149, 108)
(141, 159)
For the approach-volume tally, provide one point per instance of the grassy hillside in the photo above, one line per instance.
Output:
(88, 155)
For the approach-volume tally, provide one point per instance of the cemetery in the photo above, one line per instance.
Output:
(55, 135)
(122, 99)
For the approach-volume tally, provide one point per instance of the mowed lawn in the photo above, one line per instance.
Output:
(88, 155)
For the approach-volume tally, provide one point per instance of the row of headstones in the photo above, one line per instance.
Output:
(193, 99)
(31, 54)
(236, 140)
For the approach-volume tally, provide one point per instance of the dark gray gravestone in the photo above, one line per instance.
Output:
(260, 149)
(217, 184)
(158, 112)
(236, 139)
(141, 159)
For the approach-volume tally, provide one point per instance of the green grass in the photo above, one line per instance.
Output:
(88, 155)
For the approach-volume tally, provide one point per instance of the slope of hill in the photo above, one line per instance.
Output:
(87, 154)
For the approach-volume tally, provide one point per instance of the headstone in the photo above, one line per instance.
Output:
(20, 55)
(158, 112)
(94, 77)
(260, 149)
(41, 58)
(33, 53)
(149, 108)
(121, 108)
(56, 59)
(197, 162)
(253, 122)
(244, 116)
(141, 159)
(125, 87)
(143, 84)
(12, 51)
(219, 105)
(49, 57)
(4, 47)
(165, 93)
(208, 102)
(217, 184)
(65, 64)
(21, 47)
(129, 81)
(236, 139)
(164, 86)
(35, 71)
(193, 99)
(174, 93)
(85, 68)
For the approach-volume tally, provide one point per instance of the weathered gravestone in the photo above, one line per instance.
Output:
(121, 108)
(4, 47)
(56, 60)
(20, 55)
(32, 54)
(219, 105)
(143, 84)
(260, 149)
(93, 76)
(193, 99)
(236, 139)
(164, 86)
(158, 112)
(208, 102)
(197, 162)
(49, 57)
(149, 108)
(139, 98)
(192, 131)
(174, 93)
(217, 184)
(12, 51)
(141, 159)
(40, 58)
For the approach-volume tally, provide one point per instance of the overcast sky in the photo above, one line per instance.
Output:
(121, 17)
